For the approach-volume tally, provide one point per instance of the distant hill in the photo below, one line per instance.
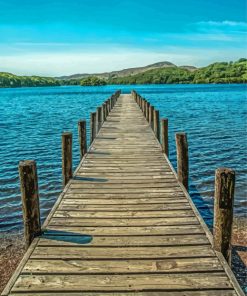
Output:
(158, 73)
(232, 72)
(11, 80)
(124, 72)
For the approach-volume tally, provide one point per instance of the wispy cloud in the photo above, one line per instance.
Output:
(224, 26)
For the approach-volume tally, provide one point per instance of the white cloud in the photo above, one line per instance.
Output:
(224, 26)
(224, 23)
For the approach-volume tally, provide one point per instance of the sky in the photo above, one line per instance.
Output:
(63, 37)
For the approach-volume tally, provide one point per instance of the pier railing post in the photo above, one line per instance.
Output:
(82, 135)
(144, 107)
(182, 159)
(108, 106)
(156, 119)
(104, 112)
(106, 109)
(151, 116)
(98, 118)
(30, 200)
(92, 126)
(66, 157)
(111, 101)
(164, 136)
(147, 111)
(223, 211)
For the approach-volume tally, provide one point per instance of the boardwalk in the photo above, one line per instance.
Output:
(124, 226)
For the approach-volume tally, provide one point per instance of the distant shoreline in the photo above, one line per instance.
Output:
(119, 85)
(159, 73)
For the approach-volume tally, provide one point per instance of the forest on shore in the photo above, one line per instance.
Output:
(220, 72)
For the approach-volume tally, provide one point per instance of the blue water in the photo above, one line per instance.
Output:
(32, 120)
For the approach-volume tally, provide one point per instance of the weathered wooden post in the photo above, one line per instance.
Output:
(151, 116)
(147, 111)
(111, 101)
(104, 112)
(144, 107)
(66, 157)
(135, 95)
(30, 200)
(156, 119)
(164, 136)
(108, 106)
(92, 126)
(106, 109)
(182, 159)
(223, 211)
(82, 134)
(98, 118)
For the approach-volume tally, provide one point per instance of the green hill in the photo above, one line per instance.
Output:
(11, 80)
(232, 72)
(159, 73)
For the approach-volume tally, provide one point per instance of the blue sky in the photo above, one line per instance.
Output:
(51, 37)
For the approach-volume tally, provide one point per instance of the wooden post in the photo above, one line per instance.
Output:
(104, 112)
(30, 200)
(164, 135)
(98, 118)
(82, 133)
(147, 111)
(92, 126)
(111, 101)
(139, 101)
(135, 95)
(182, 159)
(144, 107)
(223, 211)
(156, 118)
(151, 116)
(66, 157)
(108, 106)
(106, 109)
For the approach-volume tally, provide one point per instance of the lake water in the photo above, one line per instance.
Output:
(32, 120)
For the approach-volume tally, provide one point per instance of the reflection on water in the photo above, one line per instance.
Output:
(32, 120)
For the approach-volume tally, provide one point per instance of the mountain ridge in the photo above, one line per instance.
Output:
(125, 72)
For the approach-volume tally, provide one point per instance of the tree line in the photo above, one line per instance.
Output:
(232, 72)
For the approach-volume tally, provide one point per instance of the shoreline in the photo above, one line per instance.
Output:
(12, 251)
(119, 85)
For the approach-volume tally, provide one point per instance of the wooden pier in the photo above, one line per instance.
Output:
(124, 224)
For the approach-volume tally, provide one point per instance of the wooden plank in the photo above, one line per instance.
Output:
(125, 208)
(127, 191)
(102, 185)
(68, 221)
(136, 293)
(135, 231)
(68, 239)
(165, 282)
(122, 201)
(127, 266)
(130, 214)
